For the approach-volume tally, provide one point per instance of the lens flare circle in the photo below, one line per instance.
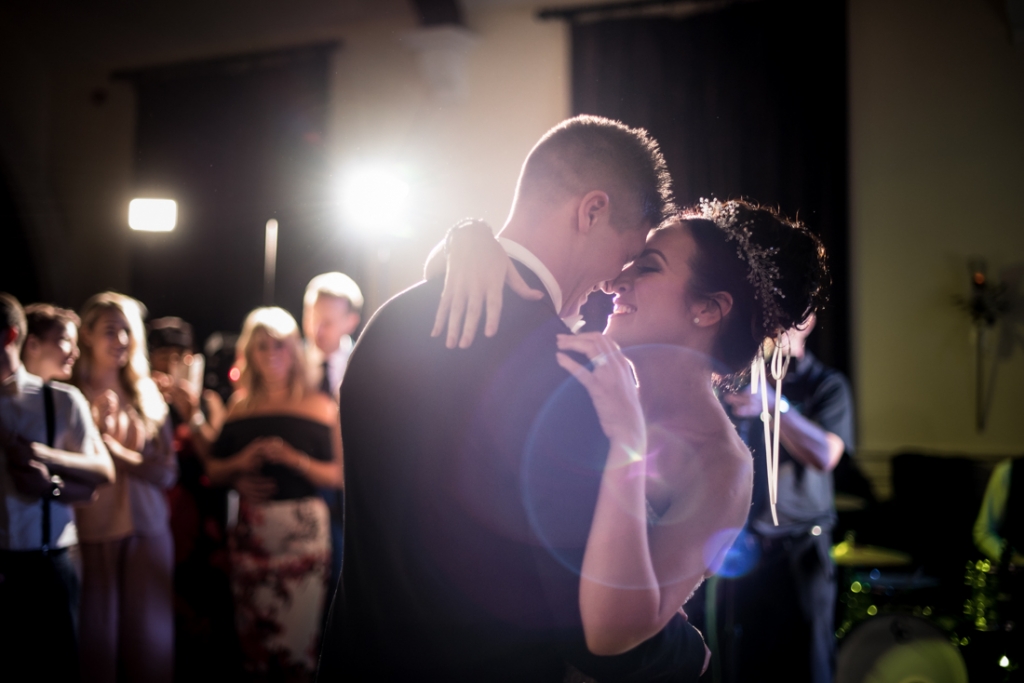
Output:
(553, 506)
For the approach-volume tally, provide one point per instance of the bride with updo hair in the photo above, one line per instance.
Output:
(714, 287)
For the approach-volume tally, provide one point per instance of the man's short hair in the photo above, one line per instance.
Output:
(44, 320)
(12, 317)
(588, 153)
(337, 285)
(170, 332)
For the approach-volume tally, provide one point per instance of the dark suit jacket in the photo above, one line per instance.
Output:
(471, 478)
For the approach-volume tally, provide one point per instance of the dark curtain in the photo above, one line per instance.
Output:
(747, 101)
(18, 275)
(236, 142)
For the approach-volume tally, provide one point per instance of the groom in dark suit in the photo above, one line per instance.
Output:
(472, 475)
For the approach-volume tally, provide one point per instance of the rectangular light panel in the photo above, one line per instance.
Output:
(152, 215)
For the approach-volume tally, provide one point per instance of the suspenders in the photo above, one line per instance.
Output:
(50, 431)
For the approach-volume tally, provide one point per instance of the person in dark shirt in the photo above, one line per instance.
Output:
(204, 645)
(784, 608)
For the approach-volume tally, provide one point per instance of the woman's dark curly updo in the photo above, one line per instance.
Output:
(773, 267)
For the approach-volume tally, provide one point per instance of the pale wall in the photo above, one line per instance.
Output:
(462, 159)
(937, 175)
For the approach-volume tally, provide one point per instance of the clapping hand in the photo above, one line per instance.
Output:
(105, 409)
(279, 451)
(178, 393)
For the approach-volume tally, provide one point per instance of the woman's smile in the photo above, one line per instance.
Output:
(622, 308)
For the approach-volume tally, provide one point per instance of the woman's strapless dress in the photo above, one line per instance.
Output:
(280, 553)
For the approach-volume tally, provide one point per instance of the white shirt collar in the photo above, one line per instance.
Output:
(343, 351)
(529, 259)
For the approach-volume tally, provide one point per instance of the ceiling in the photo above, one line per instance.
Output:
(126, 33)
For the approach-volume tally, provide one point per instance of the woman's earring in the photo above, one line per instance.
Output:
(696, 321)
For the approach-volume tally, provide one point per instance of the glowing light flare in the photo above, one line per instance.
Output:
(375, 199)
(152, 215)
(1004, 662)
(741, 557)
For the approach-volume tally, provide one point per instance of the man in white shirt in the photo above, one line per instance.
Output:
(331, 311)
(51, 455)
(330, 314)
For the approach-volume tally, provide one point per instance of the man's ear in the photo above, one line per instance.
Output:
(712, 309)
(594, 207)
(10, 336)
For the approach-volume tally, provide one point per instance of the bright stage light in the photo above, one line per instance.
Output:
(152, 215)
(375, 198)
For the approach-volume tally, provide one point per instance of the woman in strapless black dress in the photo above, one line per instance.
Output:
(280, 443)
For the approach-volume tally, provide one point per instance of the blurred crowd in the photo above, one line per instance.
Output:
(169, 514)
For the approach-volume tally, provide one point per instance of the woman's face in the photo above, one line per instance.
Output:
(271, 357)
(651, 302)
(109, 339)
(54, 356)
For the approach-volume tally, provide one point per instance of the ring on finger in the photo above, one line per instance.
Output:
(599, 361)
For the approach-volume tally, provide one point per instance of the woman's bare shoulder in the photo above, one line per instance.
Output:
(319, 407)
(238, 407)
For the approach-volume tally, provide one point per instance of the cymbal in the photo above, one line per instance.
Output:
(849, 555)
(847, 502)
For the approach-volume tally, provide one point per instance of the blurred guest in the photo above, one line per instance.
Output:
(221, 374)
(51, 344)
(280, 443)
(999, 534)
(171, 358)
(999, 529)
(50, 456)
(205, 648)
(784, 608)
(127, 553)
(330, 314)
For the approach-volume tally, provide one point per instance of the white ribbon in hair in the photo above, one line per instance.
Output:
(758, 378)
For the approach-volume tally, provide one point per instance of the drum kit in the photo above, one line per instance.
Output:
(894, 624)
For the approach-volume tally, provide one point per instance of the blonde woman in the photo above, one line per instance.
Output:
(280, 443)
(127, 619)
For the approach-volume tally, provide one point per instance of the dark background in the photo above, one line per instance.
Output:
(747, 101)
(236, 142)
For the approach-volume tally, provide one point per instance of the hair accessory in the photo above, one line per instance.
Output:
(759, 379)
(763, 271)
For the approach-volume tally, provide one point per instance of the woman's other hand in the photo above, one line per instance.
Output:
(256, 489)
(612, 388)
(119, 452)
(477, 269)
